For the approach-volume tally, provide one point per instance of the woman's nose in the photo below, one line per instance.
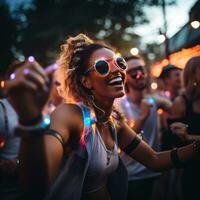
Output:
(113, 66)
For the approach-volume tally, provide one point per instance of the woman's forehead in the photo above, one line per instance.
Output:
(102, 53)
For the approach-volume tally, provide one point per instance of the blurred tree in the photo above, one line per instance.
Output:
(48, 22)
(7, 37)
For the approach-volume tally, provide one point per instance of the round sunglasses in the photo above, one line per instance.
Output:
(102, 66)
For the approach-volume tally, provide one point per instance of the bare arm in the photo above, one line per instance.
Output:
(40, 156)
(143, 153)
(145, 111)
(163, 103)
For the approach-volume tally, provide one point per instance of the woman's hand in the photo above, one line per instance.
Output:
(28, 90)
(180, 129)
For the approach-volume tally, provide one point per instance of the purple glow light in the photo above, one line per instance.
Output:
(25, 71)
(31, 59)
(51, 68)
(12, 76)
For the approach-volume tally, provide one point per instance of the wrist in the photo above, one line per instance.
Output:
(196, 146)
(31, 121)
(29, 116)
(27, 130)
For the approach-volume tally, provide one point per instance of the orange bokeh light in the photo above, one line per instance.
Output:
(178, 59)
(160, 111)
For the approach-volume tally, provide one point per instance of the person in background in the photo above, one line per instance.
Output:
(140, 110)
(186, 109)
(15, 80)
(171, 77)
(55, 97)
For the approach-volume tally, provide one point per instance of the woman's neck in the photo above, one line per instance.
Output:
(102, 109)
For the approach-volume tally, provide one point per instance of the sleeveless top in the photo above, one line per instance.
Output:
(69, 182)
(149, 133)
(12, 143)
(191, 118)
(104, 162)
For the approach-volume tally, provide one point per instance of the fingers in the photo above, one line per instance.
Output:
(36, 79)
(31, 76)
(180, 129)
(178, 125)
(34, 66)
(29, 85)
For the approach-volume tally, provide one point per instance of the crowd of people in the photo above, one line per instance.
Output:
(91, 131)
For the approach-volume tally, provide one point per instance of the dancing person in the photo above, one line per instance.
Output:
(140, 111)
(77, 157)
(186, 109)
(15, 80)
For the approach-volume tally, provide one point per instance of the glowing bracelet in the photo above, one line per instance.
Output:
(34, 130)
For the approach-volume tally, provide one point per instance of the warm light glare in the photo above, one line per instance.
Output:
(178, 59)
(154, 86)
(131, 123)
(160, 111)
(134, 51)
(195, 24)
(161, 38)
(118, 54)
(2, 84)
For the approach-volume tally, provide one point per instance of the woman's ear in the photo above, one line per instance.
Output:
(86, 82)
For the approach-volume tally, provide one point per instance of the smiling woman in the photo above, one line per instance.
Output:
(77, 158)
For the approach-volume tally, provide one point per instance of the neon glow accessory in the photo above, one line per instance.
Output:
(102, 66)
(89, 120)
(33, 130)
(150, 100)
(49, 69)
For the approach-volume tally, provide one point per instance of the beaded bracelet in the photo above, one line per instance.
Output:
(196, 146)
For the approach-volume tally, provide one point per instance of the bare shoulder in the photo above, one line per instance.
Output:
(178, 107)
(65, 118)
(67, 112)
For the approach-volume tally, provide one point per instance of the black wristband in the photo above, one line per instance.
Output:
(196, 146)
(134, 143)
(175, 159)
(34, 130)
(31, 122)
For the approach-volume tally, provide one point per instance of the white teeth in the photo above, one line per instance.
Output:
(117, 79)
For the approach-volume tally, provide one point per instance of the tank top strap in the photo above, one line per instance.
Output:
(89, 117)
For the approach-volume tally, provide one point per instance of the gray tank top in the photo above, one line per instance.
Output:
(103, 163)
(10, 151)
